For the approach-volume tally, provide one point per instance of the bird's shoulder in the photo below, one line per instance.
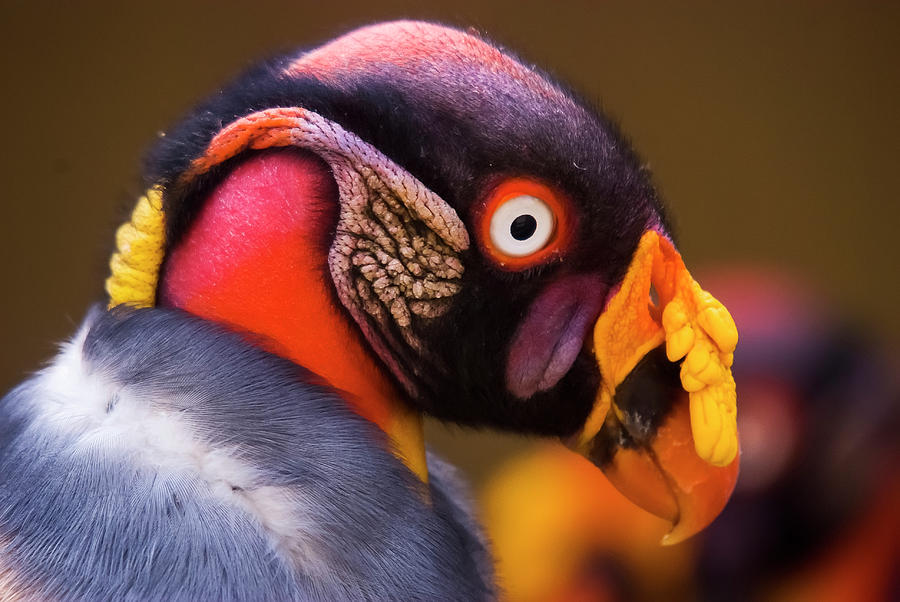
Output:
(162, 456)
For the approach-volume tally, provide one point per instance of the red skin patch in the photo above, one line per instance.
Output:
(256, 259)
(401, 43)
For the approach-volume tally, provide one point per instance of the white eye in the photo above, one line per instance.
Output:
(522, 225)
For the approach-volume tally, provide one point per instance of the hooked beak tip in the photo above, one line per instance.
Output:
(665, 477)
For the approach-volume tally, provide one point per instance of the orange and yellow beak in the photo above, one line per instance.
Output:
(664, 426)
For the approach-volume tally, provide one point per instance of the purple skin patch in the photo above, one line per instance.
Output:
(553, 333)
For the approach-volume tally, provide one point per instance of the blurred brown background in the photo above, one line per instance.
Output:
(773, 131)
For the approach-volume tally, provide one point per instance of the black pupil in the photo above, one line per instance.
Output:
(523, 227)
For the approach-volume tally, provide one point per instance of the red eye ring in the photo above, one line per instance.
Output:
(507, 190)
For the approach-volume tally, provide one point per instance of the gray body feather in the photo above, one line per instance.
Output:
(161, 457)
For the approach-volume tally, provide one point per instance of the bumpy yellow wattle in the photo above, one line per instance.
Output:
(692, 324)
(140, 243)
(700, 330)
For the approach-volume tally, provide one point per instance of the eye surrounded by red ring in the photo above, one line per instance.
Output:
(524, 223)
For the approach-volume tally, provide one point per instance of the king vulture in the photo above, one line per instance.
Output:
(405, 221)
